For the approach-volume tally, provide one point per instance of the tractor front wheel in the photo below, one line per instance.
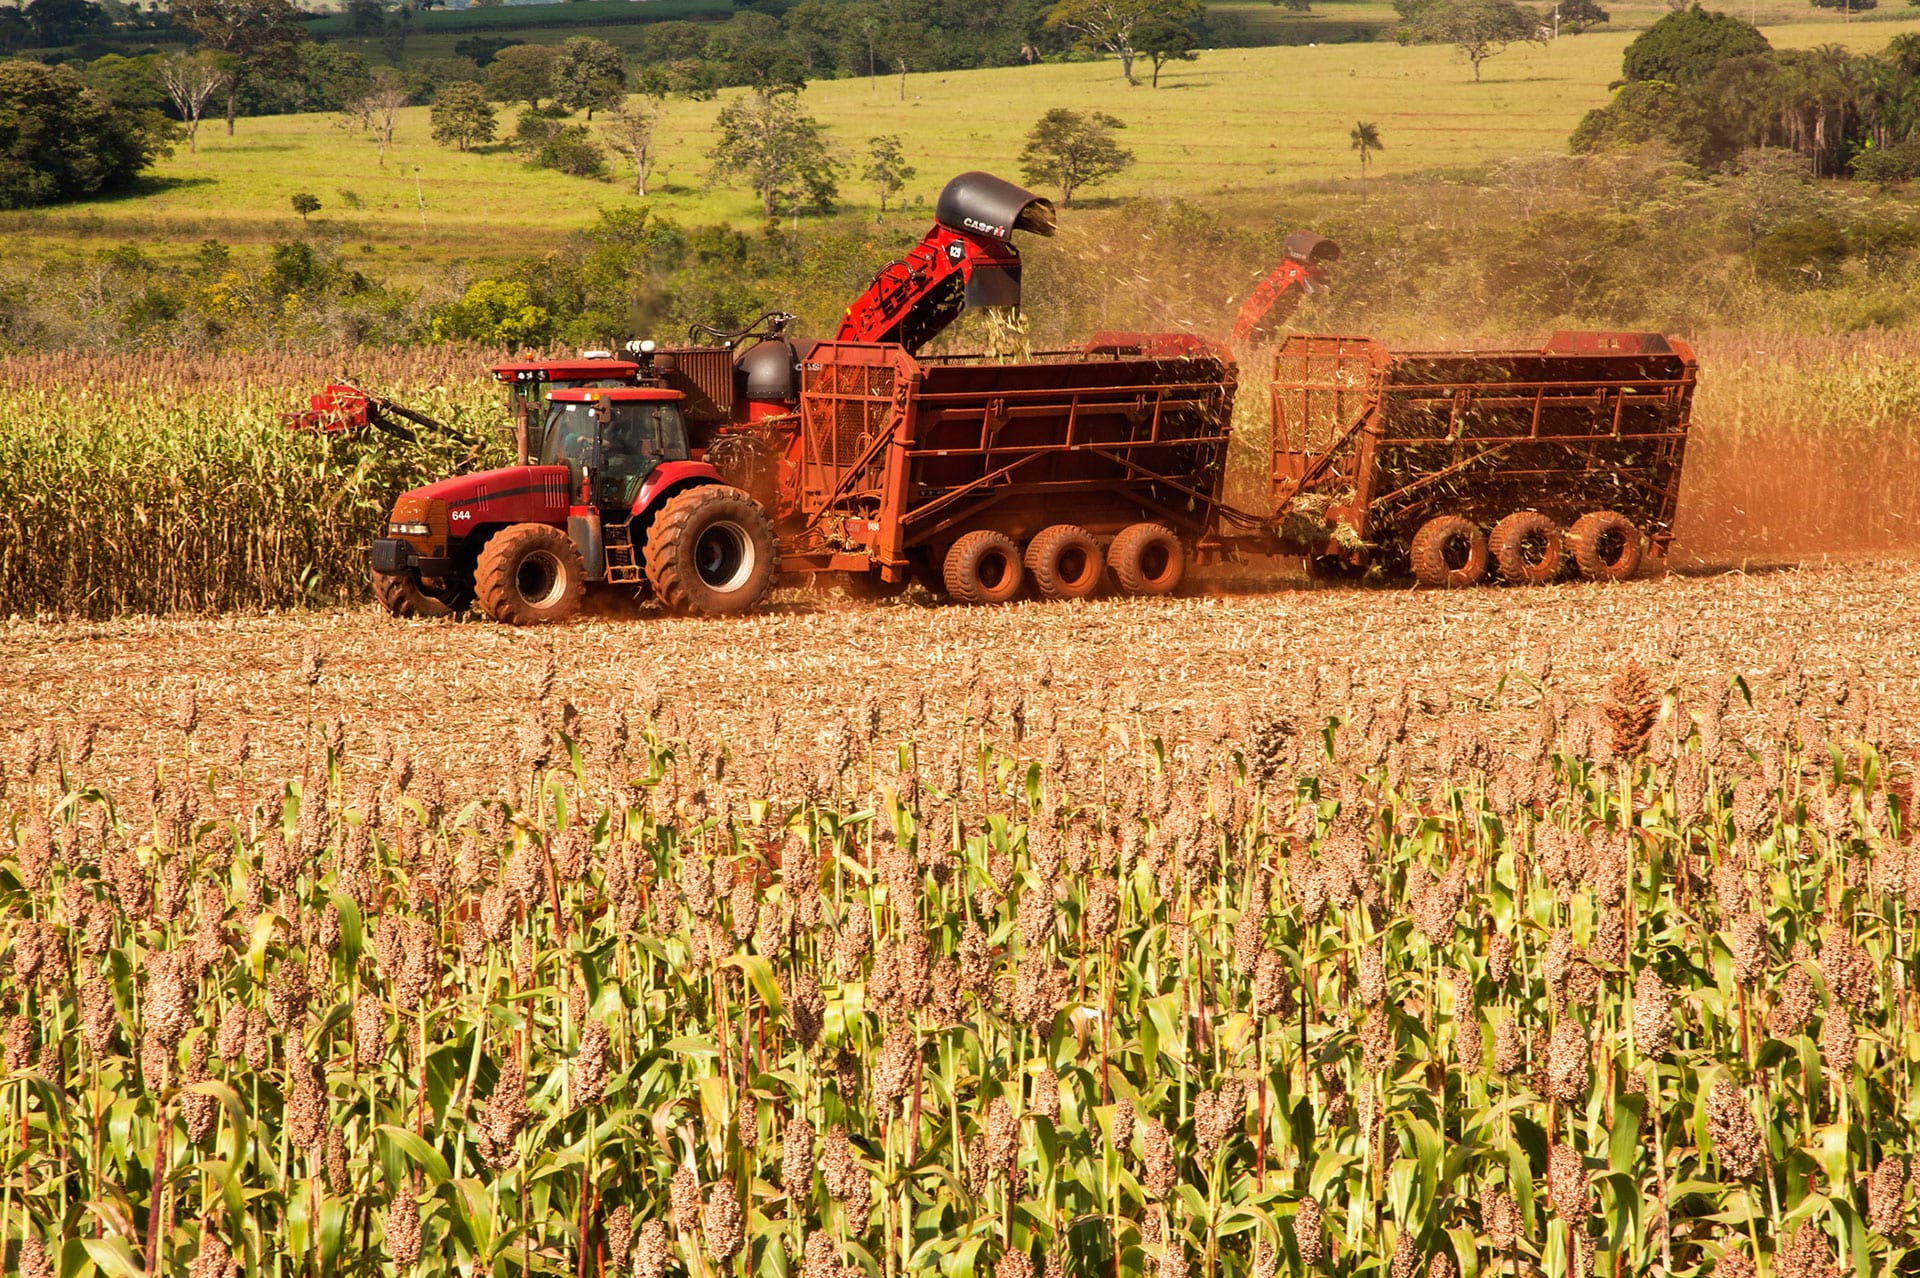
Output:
(403, 594)
(711, 552)
(529, 575)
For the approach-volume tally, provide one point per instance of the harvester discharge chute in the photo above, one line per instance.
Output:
(1302, 273)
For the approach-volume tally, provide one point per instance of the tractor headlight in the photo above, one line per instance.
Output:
(407, 530)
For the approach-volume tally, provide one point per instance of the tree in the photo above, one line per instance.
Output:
(131, 84)
(1070, 150)
(1366, 140)
(305, 203)
(588, 73)
(60, 22)
(60, 140)
(498, 312)
(1685, 47)
(462, 116)
(380, 107)
(570, 149)
(190, 80)
(521, 73)
(1106, 24)
(779, 150)
(887, 166)
(629, 129)
(1479, 29)
(1171, 32)
(1571, 17)
(260, 35)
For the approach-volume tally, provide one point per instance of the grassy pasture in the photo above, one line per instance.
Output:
(1228, 129)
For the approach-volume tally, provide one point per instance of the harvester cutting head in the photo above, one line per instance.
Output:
(338, 408)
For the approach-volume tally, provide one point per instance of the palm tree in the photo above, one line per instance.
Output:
(1366, 140)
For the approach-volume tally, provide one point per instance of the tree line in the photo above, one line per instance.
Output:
(1711, 86)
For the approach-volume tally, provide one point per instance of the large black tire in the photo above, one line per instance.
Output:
(711, 552)
(983, 568)
(1147, 559)
(1605, 545)
(1449, 552)
(1065, 562)
(403, 594)
(530, 575)
(1528, 547)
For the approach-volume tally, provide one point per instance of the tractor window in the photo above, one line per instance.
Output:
(571, 437)
(639, 437)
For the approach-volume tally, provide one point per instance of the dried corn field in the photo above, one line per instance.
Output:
(1329, 932)
(153, 482)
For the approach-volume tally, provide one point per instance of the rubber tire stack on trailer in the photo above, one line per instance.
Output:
(1527, 547)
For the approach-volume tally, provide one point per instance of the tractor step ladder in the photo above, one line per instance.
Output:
(623, 563)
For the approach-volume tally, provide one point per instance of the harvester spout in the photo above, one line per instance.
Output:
(966, 259)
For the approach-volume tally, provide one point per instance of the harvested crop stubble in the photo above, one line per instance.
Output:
(619, 979)
(789, 673)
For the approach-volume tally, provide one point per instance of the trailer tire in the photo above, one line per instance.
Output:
(983, 567)
(1065, 562)
(1449, 552)
(530, 575)
(711, 552)
(1605, 545)
(1529, 548)
(402, 594)
(1147, 559)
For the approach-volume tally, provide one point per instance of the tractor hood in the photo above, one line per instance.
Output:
(510, 495)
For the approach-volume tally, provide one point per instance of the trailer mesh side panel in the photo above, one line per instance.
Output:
(1592, 421)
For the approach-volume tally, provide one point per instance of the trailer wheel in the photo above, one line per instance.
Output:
(1605, 545)
(1147, 559)
(711, 552)
(1065, 562)
(403, 594)
(1528, 547)
(530, 574)
(983, 568)
(1449, 552)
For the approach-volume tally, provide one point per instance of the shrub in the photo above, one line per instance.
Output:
(496, 312)
(61, 140)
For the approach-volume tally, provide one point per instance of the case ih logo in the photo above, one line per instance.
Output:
(985, 228)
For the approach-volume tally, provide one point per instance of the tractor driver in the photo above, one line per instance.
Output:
(631, 451)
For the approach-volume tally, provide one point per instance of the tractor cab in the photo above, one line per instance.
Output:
(531, 382)
(611, 439)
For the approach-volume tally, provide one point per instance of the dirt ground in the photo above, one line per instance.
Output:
(457, 692)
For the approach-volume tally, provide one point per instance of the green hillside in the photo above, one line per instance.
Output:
(1231, 129)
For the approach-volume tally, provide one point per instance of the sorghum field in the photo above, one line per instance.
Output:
(1333, 932)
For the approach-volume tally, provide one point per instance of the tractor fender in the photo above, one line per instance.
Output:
(669, 478)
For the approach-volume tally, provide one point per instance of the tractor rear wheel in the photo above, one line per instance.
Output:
(1528, 547)
(529, 575)
(983, 567)
(1449, 552)
(1605, 545)
(1065, 562)
(403, 594)
(711, 552)
(1147, 559)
